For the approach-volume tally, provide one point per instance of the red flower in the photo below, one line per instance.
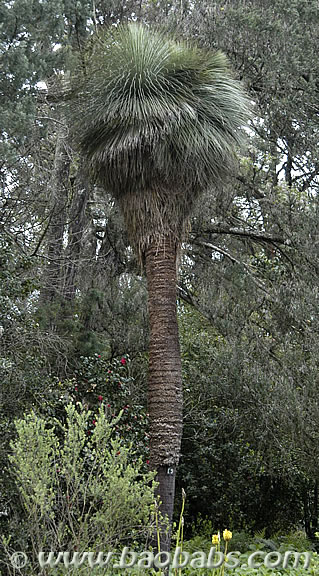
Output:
(118, 453)
(99, 355)
(76, 388)
(100, 398)
(94, 422)
(89, 432)
(109, 371)
(147, 462)
(123, 361)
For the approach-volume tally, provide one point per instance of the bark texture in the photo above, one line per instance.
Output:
(165, 380)
(81, 192)
(58, 189)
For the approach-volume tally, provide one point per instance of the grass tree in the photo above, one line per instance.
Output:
(159, 121)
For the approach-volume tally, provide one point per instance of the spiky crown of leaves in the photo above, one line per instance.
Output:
(157, 116)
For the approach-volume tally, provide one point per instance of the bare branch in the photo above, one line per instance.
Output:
(232, 258)
(259, 237)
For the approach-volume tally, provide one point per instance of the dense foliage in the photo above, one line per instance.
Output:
(73, 298)
(77, 485)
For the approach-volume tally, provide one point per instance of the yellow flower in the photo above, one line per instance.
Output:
(227, 535)
(215, 538)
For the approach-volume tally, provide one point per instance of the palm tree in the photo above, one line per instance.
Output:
(159, 121)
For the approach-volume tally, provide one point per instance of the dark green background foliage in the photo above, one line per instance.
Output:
(71, 289)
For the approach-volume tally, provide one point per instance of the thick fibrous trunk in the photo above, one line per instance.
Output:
(165, 380)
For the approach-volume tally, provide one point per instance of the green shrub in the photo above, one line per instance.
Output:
(98, 381)
(78, 485)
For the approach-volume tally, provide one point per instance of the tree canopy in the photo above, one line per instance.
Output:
(71, 288)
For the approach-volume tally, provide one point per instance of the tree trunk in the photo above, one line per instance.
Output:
(306, 511)
(165, 398)
(289, 163)
(76, 231)
(58, 189)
